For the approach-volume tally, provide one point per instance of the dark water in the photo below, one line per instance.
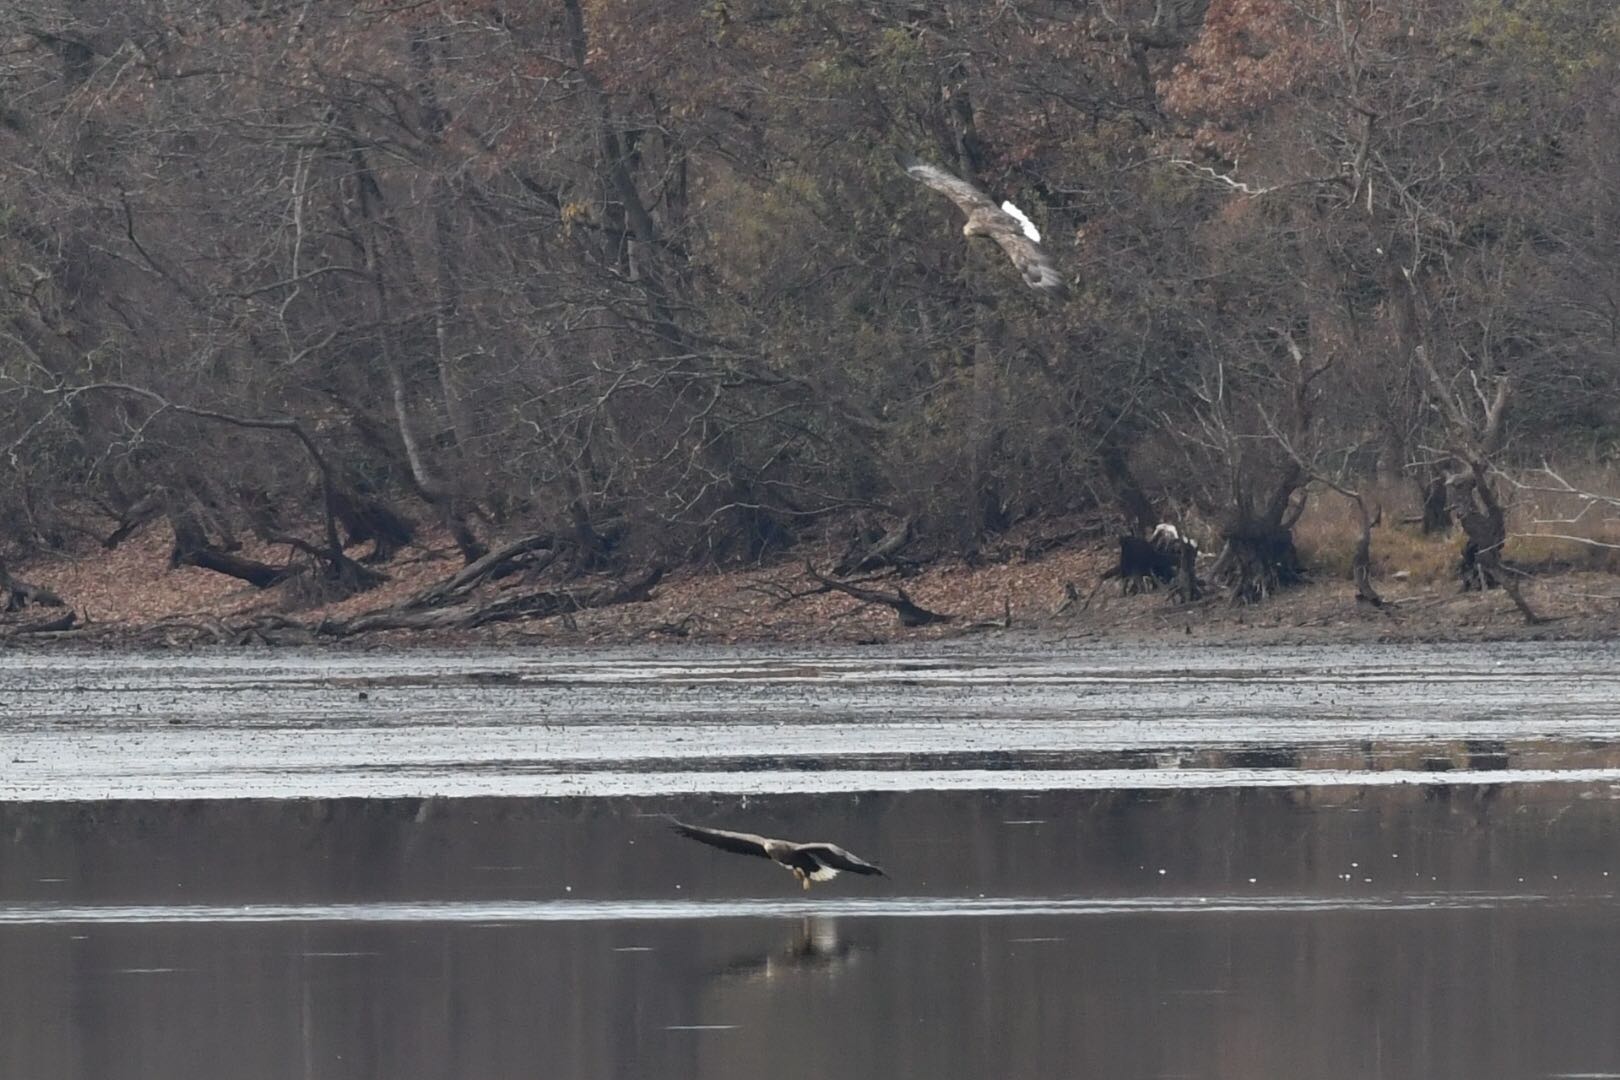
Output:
(1315, 932)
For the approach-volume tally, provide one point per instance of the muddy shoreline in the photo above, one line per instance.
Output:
(1317, 614)
(735, 722)
(1008, 598)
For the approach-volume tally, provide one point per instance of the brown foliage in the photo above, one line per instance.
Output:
(644, 276)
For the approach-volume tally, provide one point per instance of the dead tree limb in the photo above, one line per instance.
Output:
(537, 605)
(782, 594)
(268, 629)
(257, 574)
(1361, 561)
(16, 594)
(881, 553)
(1003, 623)
(472, 575)
(1588, 501)
(191, 548)
(65, 621)
(341, 567)
(910, 614)
(145, 509)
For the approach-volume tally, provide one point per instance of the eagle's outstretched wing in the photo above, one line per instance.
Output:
(1039, 271)
(740, 843)
(1013, 230)
(836, 858)
(964, 194)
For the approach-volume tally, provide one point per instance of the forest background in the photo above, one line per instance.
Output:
(593, 286)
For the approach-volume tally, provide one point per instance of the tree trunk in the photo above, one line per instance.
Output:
(1484, 523)
(1127, 490)
(1186, 587)
(1258, 556)
(988, 514)
(429, 485)
(366, 518)
(446, 291)
(1436, 509)
(1256, 562)
(1361, 564)
(736, 498)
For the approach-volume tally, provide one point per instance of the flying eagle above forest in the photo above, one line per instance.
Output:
(1005, 224)
(809, 862)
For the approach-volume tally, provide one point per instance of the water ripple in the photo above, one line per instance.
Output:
(512, 911)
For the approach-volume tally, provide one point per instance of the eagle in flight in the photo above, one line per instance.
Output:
(1005, 224)
(809, 862)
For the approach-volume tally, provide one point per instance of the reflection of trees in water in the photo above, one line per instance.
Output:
(816, 947)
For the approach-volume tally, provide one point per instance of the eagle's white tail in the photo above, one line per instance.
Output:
(1023, 220)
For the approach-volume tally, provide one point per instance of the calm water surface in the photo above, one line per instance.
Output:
(1205, 929)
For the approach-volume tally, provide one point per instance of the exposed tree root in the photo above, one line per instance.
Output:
(1253, 566)
(909, 612)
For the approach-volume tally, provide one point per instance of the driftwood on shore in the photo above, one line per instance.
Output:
(455, 616)
(910, 613)
(884, 551)
(531, 554)
(54, 625)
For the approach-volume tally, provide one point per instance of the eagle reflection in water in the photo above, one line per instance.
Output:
(816, 948)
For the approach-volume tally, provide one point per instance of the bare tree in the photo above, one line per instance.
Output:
(1474, 416)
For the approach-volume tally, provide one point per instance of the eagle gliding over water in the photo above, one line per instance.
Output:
(809, 862)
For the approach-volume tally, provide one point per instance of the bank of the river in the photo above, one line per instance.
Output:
(132, 596)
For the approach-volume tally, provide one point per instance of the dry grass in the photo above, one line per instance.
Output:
(1559, 531)
(1328, 533)
(1548, 531)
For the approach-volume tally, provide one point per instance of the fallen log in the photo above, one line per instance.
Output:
(884, 552)
(536, 605)
(57, 624)
(259, 575)
(1003, 623)
(909, 612)
(191, 548)
(495, 564)
(18, 594)
(269, 629)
